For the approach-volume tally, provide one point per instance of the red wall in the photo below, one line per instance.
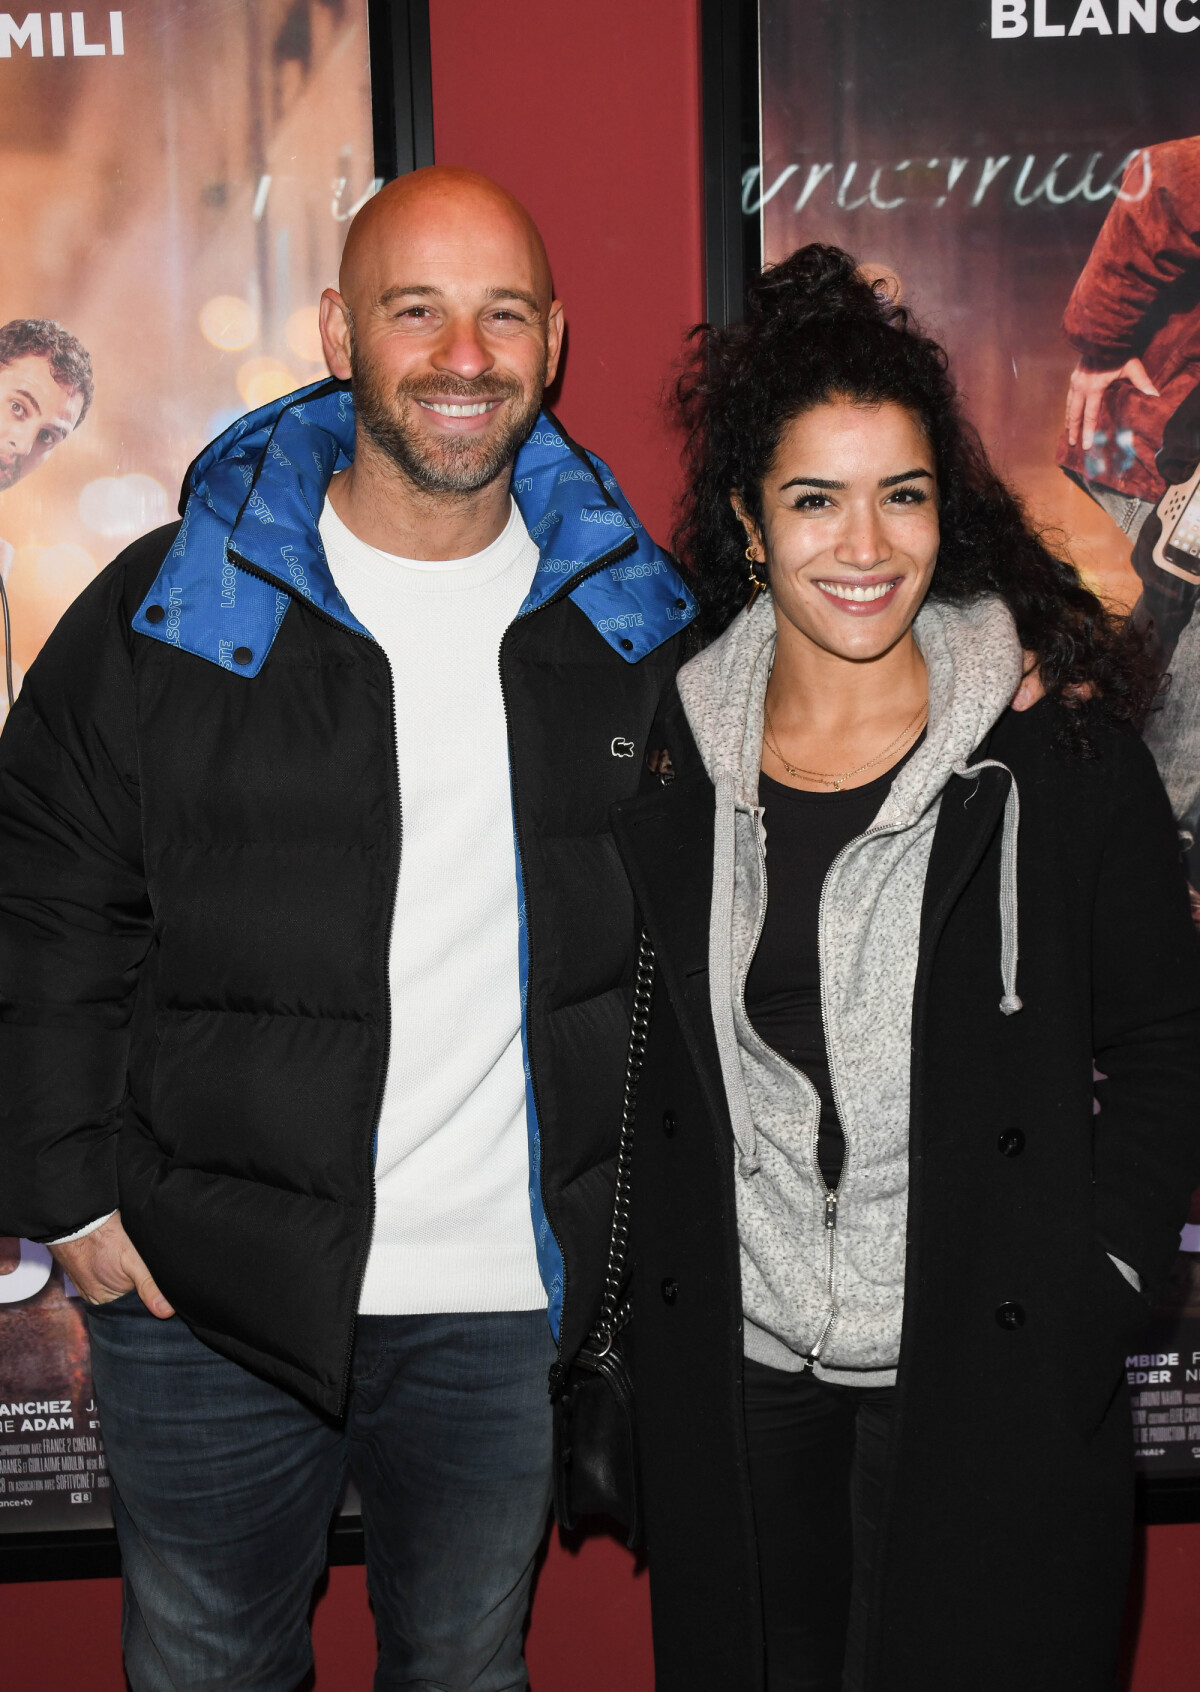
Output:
(590, 114)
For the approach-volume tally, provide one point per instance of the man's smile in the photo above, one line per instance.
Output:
(445, 408)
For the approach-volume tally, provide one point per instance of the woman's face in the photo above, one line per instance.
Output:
(849, 526)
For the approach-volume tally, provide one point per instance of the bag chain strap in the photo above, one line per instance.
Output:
(611, 1318)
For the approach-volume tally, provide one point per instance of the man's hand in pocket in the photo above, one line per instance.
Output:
(106, 1263)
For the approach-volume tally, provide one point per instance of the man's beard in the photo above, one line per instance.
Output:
(458, 464)
(10, 473)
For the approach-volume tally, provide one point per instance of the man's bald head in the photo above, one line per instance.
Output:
(441, 206)
(446, 324)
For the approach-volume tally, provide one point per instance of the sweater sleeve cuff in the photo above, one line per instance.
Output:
(90, 1228)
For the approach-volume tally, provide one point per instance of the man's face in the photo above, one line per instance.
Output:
(35, 415)
(450, 336)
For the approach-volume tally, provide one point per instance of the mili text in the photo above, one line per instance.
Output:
(30, 37)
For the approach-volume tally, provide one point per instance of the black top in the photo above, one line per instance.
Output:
(805, 832)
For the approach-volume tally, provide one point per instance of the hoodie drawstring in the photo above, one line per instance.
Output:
(720, 971)
(1008, 880)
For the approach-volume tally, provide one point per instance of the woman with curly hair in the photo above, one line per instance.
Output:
(891, 1239)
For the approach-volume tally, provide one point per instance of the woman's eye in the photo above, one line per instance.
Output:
(908, 496)
(811, 502)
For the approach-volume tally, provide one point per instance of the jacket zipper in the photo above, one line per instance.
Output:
(831, 1195)
(831, 1198)
(568, 587)
(373, 1144)
(364, 1252)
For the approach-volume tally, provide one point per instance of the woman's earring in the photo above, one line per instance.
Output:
(756, 586)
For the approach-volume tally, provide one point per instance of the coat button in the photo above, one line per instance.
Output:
(1011, 1143)
(1010, 1316)
(242, 654)
(669, 1123)
(681, 605)
(670, 1291)
(626, 646)
(154, 613)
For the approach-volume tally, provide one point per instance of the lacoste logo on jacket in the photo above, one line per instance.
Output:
(622, 748)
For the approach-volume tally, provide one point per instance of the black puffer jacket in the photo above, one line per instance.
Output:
(199, 843)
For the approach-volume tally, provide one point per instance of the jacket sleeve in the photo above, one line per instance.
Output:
(1146, 1025)
(1149, 239)
(75, 921)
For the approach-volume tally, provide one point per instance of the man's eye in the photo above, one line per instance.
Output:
(416, 311)
(47, 437)
(18, 410)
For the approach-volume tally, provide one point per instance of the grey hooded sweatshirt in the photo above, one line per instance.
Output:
(823, 1274)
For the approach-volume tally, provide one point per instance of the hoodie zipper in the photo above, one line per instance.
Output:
(832, 1195)
(831, 1198)
(364, 1251)
(568, 587)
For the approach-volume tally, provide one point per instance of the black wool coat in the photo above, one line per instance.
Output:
(1005, 1539)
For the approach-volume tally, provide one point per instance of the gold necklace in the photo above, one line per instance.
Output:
(828, 779)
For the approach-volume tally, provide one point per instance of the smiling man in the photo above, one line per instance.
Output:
(312, 1081)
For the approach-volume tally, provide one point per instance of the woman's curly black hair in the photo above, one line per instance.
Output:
(816, 329)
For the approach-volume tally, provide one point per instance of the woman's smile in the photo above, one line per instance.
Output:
(859, 598)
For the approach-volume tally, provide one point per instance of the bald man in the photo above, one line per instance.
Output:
(315, 958)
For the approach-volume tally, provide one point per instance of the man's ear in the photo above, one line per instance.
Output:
(554, 339)
(335, 333)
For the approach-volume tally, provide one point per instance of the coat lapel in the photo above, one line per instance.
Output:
(970, 813)
(666, 842)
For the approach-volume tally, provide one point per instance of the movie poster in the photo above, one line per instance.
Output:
(1029, 172)
(176, 179)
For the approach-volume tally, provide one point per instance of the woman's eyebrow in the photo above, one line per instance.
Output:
(908, 476)
(824, 482)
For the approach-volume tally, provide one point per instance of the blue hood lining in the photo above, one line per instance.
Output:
(249, 542)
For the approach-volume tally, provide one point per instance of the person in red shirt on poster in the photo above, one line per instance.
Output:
(1134, 318)
(1132, 425)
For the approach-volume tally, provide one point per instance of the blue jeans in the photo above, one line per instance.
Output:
(224, 1487)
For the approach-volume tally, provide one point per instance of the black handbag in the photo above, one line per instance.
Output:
(595, 1436)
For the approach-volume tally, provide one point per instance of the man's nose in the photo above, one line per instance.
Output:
(460, 350)
(21, 434)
